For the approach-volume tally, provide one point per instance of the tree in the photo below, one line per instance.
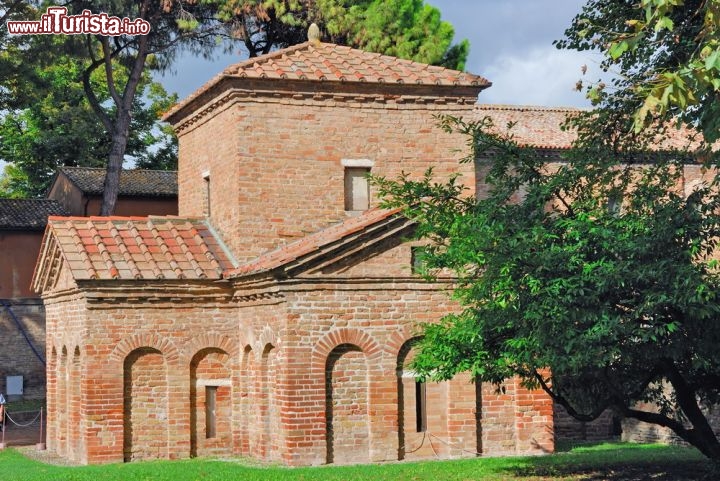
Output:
(124, 61)
(407, 29)
(49, 122)
(666, 54)
(599, 268)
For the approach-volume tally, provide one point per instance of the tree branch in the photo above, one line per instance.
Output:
(568, 407)
(92, 98)
(109, 70)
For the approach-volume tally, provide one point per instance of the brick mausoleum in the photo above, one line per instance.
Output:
(275, 317)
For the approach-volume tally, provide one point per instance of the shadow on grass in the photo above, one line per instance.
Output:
(619, 462)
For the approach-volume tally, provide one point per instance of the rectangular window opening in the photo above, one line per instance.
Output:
(210, 405)
(357, 189)
(420, 407)
(417, 259)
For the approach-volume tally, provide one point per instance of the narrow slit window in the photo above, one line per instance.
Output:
(357, 189)
(206, 193)
(420, 407)
(210, 405)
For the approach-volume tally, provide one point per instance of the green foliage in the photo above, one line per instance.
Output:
(598, 267)
(666, 54)
(407, 29)
(51, 123)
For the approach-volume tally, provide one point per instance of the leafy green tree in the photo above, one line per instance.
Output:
(114, 73)
(598, 268)
(404, 28)
(49, 123)
(666, 54)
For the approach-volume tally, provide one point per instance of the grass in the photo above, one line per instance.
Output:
(611, 461)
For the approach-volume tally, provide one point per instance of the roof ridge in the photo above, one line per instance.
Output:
(534, 108)
(79, 167)
(262, 58)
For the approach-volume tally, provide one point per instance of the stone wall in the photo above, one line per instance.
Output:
(17, 357)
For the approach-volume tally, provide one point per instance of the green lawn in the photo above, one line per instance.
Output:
(593, 463)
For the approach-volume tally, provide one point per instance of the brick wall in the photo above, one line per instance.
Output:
(16, 356)
(275, 165)
(568, 428)
(120, 373)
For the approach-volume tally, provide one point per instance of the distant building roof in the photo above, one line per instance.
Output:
(154, 183)
(27, 214)
(538, 127)
(542, 127)
(331, 63)
(137, 248)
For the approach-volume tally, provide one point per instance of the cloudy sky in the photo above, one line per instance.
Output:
(510, 45)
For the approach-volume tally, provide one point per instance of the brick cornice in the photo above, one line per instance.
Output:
(379, 96)
(139, 295)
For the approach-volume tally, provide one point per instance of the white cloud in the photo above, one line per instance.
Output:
(541, 76)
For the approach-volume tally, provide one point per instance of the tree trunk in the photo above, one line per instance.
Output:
(111, 187)
(121, 126)
(700, 434)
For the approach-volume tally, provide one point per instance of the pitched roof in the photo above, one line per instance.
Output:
(27, 214)
(135, 248)
(328, 62)
(375, 223)
(155, 183)
(538, 127)
(541, 127)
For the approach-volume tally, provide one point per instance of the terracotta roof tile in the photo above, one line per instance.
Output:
(139, 247)
(540, 127)
(28, 214)
(331, 62)
(328, 62)
(155, 183)
(312, 243)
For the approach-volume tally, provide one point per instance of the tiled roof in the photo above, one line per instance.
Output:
(540, 127)
(328, 62)
(138, 182)
(138, 247)
(27, 214)
(370, 223)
